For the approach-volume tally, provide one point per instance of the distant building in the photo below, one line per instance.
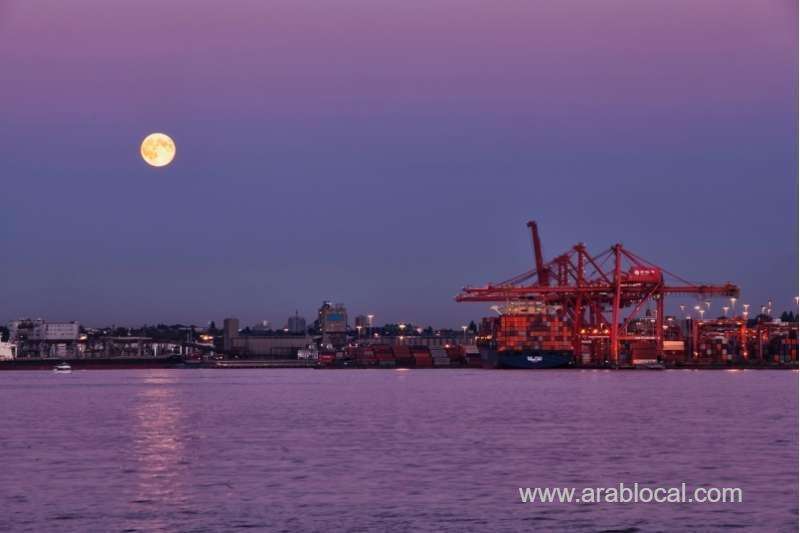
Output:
(230, 330)
(39, 338)
(296, 324)
(278, 345)
(261, 326)
(332, 323)
(57, 331)
(332, 318)
(362, 321)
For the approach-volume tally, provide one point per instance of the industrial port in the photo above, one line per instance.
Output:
(581, 310)
(608, 309)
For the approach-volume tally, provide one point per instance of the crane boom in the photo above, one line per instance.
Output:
(541, 272)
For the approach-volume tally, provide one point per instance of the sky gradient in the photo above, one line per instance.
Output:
(384, 154)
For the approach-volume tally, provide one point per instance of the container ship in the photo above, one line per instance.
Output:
(531, 336)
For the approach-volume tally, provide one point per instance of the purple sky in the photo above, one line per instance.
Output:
(385, 153)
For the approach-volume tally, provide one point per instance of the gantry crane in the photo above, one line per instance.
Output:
(616, 282)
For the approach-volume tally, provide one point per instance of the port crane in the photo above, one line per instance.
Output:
(598, 294)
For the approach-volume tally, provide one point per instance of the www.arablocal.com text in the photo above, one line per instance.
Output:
(636, 493)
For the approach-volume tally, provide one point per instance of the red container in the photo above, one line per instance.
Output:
(423, 360)
(366, 357)
(383, 355)
(403, 356)
(456, 355)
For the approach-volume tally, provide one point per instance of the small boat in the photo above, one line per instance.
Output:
(62, 368)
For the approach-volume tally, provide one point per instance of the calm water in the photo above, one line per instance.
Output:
(309, 450)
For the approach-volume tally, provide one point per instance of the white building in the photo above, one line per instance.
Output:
(39, 338)
(7, 351)
(41, 330)
(56, 331)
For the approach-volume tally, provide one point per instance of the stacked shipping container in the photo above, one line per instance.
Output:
(439, 356)
(715, 350)
(532, 331)
(402, 355)
(457, 355)
(384, 356)
(422, 357)
(788, 351)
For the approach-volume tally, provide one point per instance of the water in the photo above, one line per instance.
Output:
(312, 450)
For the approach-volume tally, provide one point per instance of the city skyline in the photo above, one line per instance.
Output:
(386, 156)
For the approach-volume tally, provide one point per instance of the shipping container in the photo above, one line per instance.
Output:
(422, 360)
(403, 356)
(456, 355)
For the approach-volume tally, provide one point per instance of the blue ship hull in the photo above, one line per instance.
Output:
(526, 359)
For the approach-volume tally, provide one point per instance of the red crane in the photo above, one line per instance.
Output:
(541, 271)
(616, 282)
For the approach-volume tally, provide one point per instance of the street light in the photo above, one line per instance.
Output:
(733, 305)
(464, 328)
(702, 312)
(725, 311)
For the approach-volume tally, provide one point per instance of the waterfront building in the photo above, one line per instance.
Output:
(8, 351)
(40, 338)
(262, 344)
(41, 330)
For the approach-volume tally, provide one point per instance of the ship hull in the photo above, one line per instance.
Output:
(526, 359)
(100, 363)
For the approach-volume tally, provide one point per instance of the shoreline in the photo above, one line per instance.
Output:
(178, 363)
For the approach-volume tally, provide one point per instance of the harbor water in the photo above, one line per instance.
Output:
(391, 450)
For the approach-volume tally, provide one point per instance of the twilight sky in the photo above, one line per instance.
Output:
(385, 153)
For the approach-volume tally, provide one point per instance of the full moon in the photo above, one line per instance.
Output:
(158, 149)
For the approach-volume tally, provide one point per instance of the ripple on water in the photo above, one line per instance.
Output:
(445, 450)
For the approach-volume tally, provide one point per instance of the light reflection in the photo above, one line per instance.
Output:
(158, 449)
